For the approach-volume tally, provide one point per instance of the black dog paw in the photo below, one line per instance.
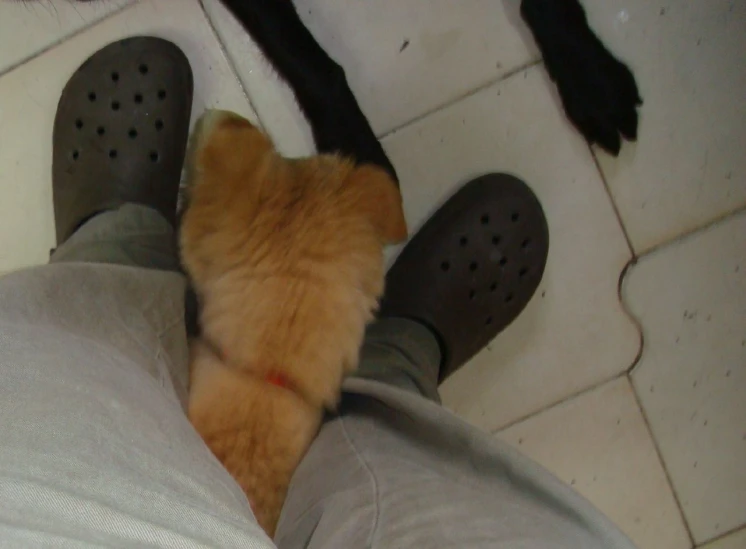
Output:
(598, 92)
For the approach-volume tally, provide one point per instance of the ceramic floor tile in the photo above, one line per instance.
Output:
(573, 334)
(402, 59)
(28, 99)
(598, 443)
(736, 540)
(27, 28)
(690, 297)
(688, 167)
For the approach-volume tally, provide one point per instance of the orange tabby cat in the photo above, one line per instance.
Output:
(286, 257)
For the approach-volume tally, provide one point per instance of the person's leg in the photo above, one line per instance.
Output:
(402, 353)
(393, 468)
(133, 234)
(96, 448)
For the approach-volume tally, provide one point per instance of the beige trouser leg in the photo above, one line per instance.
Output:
(96, 448)
(395, 470)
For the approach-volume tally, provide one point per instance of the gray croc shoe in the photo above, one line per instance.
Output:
(472, 268)
(121, 131)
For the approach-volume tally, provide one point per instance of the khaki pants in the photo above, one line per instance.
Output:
(95, 449)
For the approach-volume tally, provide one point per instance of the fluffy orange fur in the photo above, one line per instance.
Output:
(286, 257)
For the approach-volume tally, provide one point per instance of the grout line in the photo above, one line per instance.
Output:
(563, 400)
(662, 462)
(67, 37)
(613, 204)
(636, 321)
(735, 530)
(718, 220)
(636, 256)
(458, 98)
(669, 482)
(680, 238)
(630, 264)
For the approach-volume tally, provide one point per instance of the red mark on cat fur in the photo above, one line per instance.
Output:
(278, 379)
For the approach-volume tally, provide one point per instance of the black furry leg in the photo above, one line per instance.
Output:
(319, 84)
(599, 92)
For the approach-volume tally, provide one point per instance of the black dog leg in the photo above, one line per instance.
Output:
(319, 84)
(599, 92)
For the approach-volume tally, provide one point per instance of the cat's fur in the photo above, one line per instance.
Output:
(286, 257)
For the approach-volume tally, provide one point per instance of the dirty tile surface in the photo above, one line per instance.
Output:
(688, 167)
(691, 300)
(26, 28)
(736, 540)
(396, 53)
(402, 59)
(29, 96)
(574, 333)
(599, 444)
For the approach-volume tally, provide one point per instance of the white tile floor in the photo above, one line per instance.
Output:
(455, 91)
